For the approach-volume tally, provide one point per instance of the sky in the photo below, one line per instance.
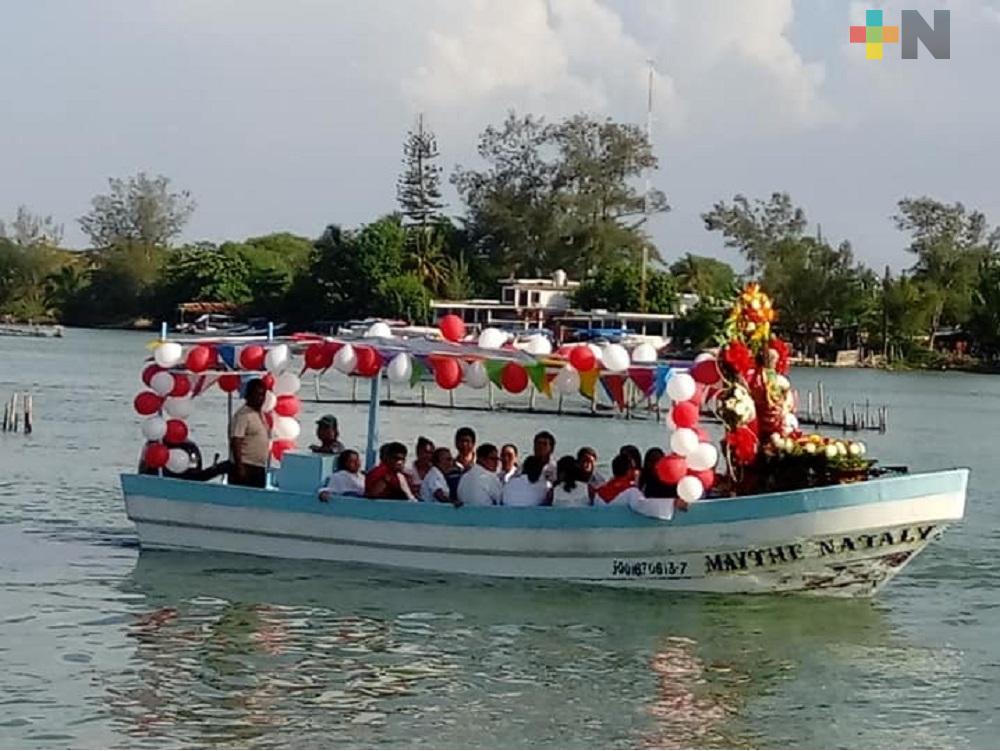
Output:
(290, 115)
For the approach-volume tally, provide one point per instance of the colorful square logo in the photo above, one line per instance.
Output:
(873, 35)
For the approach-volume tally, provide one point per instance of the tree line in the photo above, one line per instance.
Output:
(546, 196)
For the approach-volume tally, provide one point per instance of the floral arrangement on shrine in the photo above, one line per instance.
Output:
(764, 447)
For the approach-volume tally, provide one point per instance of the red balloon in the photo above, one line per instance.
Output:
(252, 357)
(156, 455)
(671, 468)
(318, 356)
(229, 382)
(149, 371)
(707, 477)
(706, 372)
(369, 362)
(200, 358)
(447, 372)
(279, 447)
(452, 327)
(182, 385)
(288, 405)
(514, 378)
(147, 403)
(268, 380)
(685, 414)
(582, 358)
(177, 431)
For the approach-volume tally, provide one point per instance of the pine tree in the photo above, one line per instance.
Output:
(418, 189)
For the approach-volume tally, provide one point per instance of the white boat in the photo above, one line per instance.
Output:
(841, 540)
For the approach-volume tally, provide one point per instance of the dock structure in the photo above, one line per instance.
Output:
(818, 411)
(18, 414)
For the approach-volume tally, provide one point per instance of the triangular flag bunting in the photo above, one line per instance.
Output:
(536, 371)
(644, 378)
(494, 369)
(662, 376)
(614, 385)
(418, 370)
(227, 353)
(588, 381)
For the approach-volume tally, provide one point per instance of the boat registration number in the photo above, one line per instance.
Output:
(648, 569)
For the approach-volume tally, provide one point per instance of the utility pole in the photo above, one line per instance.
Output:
(649, 187)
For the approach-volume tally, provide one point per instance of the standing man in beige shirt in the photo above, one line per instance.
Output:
(250, 439)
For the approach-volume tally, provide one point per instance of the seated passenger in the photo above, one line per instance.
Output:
(586, 459)
(528, 487)
(634, 455)
(328, 434)
(619, 488)
(544, 446)
(649, 481)
(569, 489)
(508, 462)
(480, 485)
(422, 463)
(434, 488)
(386, 480)
(348, 479)
(465, 448)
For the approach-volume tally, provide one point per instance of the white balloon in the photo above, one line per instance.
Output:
(346, 359)
(704, 356)
(615, 358)
(690, 489)
(492, 338)
(179, 461)
(285, 428)
(287, 383)
(645, 352)
(399, 369)
(476, 376)
(706, 456)
(684, 441)
(180, 407)
(168, 354)
(276, 359)
(270, 402)
(681, 387)
(154, 428)
(162, 383)
(567, 380)
(538, 345)
(379, 329)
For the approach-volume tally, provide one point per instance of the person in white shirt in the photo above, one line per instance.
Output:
(528, 487)
(569, 489)
(480, 485)
(508, 462)
(347, 480)
(421, 464)
(434, 488)
(544, 448)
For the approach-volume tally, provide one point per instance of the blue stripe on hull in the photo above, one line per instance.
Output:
(714, 512)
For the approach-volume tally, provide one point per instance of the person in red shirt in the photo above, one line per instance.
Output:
(624, 478)
(386, 480)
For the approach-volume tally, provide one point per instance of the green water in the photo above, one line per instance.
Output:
(100, 646)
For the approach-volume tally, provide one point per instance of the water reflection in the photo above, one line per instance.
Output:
(232, 650)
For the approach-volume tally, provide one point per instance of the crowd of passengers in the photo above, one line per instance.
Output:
(484, 475)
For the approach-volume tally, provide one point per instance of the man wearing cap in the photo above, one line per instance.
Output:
(327, 433)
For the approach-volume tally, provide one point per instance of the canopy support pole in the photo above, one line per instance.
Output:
(371, 451)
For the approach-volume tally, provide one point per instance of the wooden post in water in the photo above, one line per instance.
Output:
(821, 394)
(531, 398)
(28, 416)
(15, 415)
(489, 393)
(6, 416)
(354, 389)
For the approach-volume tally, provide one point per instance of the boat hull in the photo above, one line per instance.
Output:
(840, 541)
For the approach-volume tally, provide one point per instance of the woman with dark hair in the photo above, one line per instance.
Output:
(529, 487)
(348, 479)
(569, 489)
(649, 482)
(634, 455)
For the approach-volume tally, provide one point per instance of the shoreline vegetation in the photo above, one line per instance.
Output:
(544, 197)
